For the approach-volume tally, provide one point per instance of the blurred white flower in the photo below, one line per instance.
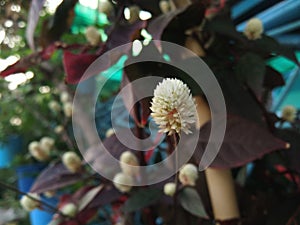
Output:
(29, 204)
(109, 132)
(166, 6)
(123, 182)
(70, 209)
(71, 161)
(38, 152)
(188, 174)
(289, 113)
(49, 194)
(68, 108)
(170, 189)
(173, 108)
(106, 7)
(54, 106)
(254, 29)
(127, 160)
(64, 97)
(92, 35)
(47, 143)
(58, 129)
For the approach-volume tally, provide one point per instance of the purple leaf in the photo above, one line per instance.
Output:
(273, 78)
(33, 17)
(88, 197)
(108, 195)
(54, 177)
(244, 142)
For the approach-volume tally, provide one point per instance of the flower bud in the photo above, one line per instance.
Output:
(166, 6)
(58, 129)
(93, 36)
(29, 204)
(289, 113)
(68, 108)
(109, 132)
(54, 106)
(129, 163)
(188, 174)
(106, 7)
(254, 29)
(71, 161)
(70, 209)
(64, 97)
(170, 189)
(38, 152)
(134, 12)
(123, 182)
(47, 143)
(49, 194)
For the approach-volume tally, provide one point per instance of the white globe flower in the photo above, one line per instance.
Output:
(28, 203)
(54, 106)
(166, 6)
(70, 209)
(123, 182)
(127, 160)
(109, 132)
(289, 113)
(71, 161)
(170, 189)
(188, 174)
(173, 108)
(58, 129)
(47, 143)
(134, 12)
(68, 108)
(254, 29)
(38, 152)
(106, 7)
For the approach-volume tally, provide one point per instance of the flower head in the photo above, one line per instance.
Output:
(170, 189)
(47, 143)
(54, 106)
(254, 29)
(123, 182)
(71, 161)
(129, 163)
(106, 7)
(172, 106)
(58, 129)
(188, 174)
(166, 6)
(64, 96)
(28, 203)
(70, 209)
(134, 11)
(289, 113)
(39, 153)
(92, 35)
(68, 108)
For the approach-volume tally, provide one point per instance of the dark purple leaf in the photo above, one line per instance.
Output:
(273, 78)
(108, 195)
(33, 17)
(244, 142)
(54, 177)
(88, 197)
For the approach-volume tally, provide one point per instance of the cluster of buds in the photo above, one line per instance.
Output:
(254, 29)
(72, 161)
(30, 201)
(130, 169)
(66, 106)
(93, 36)
(289, 113)
(41, 150)
(188, 175)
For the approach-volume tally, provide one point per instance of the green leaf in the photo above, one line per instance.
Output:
(191, 202)
(141, 199)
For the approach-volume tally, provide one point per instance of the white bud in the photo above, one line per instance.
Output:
(54, 106)
(129, 163)
(38, 152)
(58, 129)
(106, 7)
(68, 108)
(49, 194)
(71, 161)
(64, 97)
(170, 189)
(29, 204)
(188, 174)
(254, 29)
(47, 143)
(69, 209)
(92, 35)
(289, 113)
(109, 132)
(166, 6)
(123, 182)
